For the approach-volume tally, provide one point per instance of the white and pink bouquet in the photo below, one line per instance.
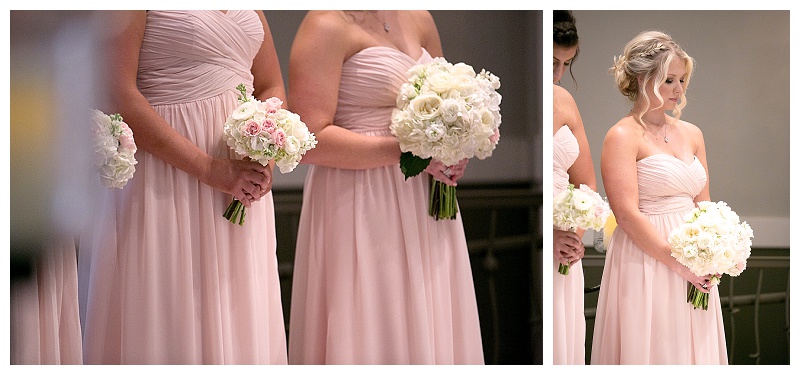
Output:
(263, 131)
(114, 149)
(445, 112)
(712, 241)
(580, 208)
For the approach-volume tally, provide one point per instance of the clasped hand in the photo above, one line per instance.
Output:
(702, 283)
(567, 247)
(246, 180)
(447, 174)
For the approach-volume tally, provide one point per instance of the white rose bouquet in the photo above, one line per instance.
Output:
(448, 113)
(712, 241)
(263, 131)
(114, 149)
(582, 208)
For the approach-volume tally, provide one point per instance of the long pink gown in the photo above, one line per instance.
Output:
(642, 313)
(376, 279)
(569, 324)
(169, 280)
(45, 326)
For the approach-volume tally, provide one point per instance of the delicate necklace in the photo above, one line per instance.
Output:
(664, 126)
(385, 25)
(666, 140)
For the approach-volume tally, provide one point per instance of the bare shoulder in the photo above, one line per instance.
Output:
(565, 111)
(693, 129)
(425, 29)
(562, 97)
(423, 19)
(324, 33)
(626, 131)
(326, 24)
(694, 133)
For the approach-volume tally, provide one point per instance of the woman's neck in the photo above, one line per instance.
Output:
(655, 117)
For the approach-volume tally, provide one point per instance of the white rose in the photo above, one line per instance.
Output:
(299, 131)
(292, 145)
(245, 110)
(407, 92)
(465, 85)
(287, 164)
(463, 69)
(440, 82)
(705, 240)
(425, 106)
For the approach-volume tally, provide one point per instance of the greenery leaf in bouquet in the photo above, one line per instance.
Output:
(412, 165)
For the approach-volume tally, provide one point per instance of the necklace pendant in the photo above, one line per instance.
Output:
(386, 27)
(666, 140)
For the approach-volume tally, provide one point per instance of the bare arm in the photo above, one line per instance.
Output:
(267, 78)
(154, 135)
(429, 34)
(320, 48)
(618, 167)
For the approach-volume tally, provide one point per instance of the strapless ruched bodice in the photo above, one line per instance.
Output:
(565, 152)
(668, 184)
(186, 56)
(371, 80)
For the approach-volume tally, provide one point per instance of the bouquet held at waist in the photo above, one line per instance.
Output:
(579, 208)
(445, 112)
(711, 241)
(263, 131)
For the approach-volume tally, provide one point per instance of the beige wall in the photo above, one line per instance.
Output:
(739, 97)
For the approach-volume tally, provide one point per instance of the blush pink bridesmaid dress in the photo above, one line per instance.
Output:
(642, 313)
(569, 323)
(376, 279)
(169, 280)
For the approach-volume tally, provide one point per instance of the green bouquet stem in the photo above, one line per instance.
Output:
(235, 212)
(443, 204)
(697, 298)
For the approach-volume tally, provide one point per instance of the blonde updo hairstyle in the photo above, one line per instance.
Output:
(646, 58)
